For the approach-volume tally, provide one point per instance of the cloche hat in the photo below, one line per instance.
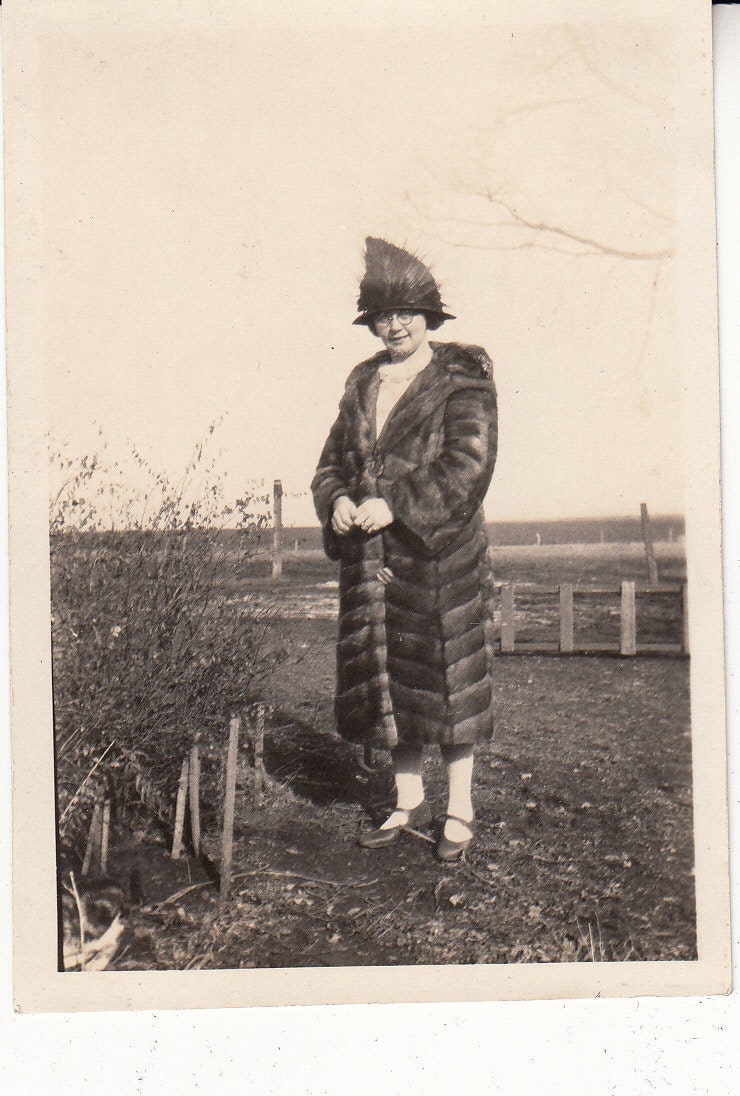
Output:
(394, 278)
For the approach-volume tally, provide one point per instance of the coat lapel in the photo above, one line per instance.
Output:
(427, 390)
(366, 399)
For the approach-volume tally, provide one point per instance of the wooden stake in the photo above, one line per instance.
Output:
(93, 837)
(507, 618)
(259, 747)
(227, 837)
(652, 565)
(194, 795)
(182, 798)
(566, 618)
(628, 629)
(104, 836)
(277, 538)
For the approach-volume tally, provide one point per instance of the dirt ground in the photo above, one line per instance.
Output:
(583, 849)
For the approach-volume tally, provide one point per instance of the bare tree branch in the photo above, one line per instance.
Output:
(543, 104)
(667, 218)
(505, 196)
(597, 245)
(528, 245)
(614, 85)
(517, 222)
(492, 203)
(636, 370)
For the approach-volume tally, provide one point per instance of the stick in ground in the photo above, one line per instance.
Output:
(227, 837)
(182, 795)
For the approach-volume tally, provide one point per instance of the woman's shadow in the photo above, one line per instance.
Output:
(323, 768)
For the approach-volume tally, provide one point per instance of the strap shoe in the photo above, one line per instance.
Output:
(452, 850)
(415, 819)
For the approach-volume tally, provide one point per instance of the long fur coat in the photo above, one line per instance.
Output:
(414, 657)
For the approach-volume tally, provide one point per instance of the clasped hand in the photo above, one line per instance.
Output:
(371, 516)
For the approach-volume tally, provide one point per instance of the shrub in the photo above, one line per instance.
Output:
(150, 653)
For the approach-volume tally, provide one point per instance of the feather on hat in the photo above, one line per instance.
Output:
(394, 278)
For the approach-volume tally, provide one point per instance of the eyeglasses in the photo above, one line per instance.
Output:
(384, 319)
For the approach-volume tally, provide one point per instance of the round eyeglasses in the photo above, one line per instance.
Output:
(384, 319)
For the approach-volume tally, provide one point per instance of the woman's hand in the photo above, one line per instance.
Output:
(373, 515)
(343, 516)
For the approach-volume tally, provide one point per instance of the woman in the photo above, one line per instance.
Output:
(399, 491)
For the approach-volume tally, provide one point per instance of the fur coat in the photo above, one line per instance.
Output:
(414, 657)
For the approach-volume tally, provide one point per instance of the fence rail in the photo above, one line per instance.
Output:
(563, 600)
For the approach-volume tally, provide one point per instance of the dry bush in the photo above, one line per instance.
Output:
(149, 652)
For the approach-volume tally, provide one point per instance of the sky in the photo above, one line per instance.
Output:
(205, 204)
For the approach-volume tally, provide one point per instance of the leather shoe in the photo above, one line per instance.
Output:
(452, 850)
(379, 839)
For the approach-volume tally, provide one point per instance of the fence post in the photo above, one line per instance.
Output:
(93, 836)
(649, 550)
(259, 749)
(227, 837)
(685, 608)
(182, 798)
(277, 537)
(507, 618)
(566, 618)
(628, 623)
(195, 798)
(104, 837)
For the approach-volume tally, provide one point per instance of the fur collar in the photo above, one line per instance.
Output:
(456, 358)
(462, 358)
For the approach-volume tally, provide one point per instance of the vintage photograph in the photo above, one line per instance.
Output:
(380, 622)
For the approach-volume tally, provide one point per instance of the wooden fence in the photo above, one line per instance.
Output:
(188, 794)
(562, 601)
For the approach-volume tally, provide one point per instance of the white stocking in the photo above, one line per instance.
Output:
(459, 764)
(409, 788)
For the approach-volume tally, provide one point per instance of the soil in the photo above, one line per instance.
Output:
(583, 850)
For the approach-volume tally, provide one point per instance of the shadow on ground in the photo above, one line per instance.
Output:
(322, 768)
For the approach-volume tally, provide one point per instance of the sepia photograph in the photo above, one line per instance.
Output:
(366, 592)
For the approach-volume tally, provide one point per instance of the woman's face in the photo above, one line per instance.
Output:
(401, 339)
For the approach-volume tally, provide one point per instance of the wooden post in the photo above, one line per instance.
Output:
(507, 618)
(93, 836)
(685, 608)
(182, 798)
(194, 795)
(104, 837)
(566, 618)
(628, 638)
(259, 749)
(652, 565)
(277, 538)
(227, 837)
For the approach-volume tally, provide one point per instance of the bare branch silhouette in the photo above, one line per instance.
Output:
(615, 86)
(636, 369)
(508, 202)
(517, 221)
(575, 174)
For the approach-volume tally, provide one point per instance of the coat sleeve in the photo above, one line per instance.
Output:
(433, 500)
(328, 484)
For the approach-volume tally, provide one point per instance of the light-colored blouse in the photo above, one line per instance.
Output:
(395, 379)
